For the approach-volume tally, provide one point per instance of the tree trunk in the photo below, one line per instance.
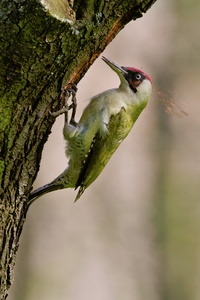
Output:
(40, 53)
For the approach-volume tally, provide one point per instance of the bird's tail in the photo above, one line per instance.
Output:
(50, 187)
(57, 184)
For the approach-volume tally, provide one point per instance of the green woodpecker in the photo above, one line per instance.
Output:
(104, 124)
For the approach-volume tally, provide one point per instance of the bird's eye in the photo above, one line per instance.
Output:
(138, 76)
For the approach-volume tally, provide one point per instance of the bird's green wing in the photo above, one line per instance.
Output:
(102, 148)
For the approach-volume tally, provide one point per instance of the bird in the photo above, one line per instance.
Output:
(104, 124)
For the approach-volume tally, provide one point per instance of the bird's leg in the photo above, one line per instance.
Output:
(69, 126)
(73, 107)
(65, 95)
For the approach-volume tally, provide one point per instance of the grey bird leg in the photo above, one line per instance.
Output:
(65, 95)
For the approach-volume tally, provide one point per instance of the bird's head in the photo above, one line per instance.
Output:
(135, 79)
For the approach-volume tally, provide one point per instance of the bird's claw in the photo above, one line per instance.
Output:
(69, 90)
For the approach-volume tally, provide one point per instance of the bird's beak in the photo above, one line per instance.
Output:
(118, 69)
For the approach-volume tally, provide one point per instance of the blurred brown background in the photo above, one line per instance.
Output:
(134, 234)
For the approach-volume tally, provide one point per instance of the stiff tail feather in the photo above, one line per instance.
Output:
(50, 187)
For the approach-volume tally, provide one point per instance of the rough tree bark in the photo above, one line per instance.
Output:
(40, 53)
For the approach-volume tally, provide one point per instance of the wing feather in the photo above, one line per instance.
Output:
(102, 148)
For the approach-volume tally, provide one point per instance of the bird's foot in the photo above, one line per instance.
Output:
(68, 91)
